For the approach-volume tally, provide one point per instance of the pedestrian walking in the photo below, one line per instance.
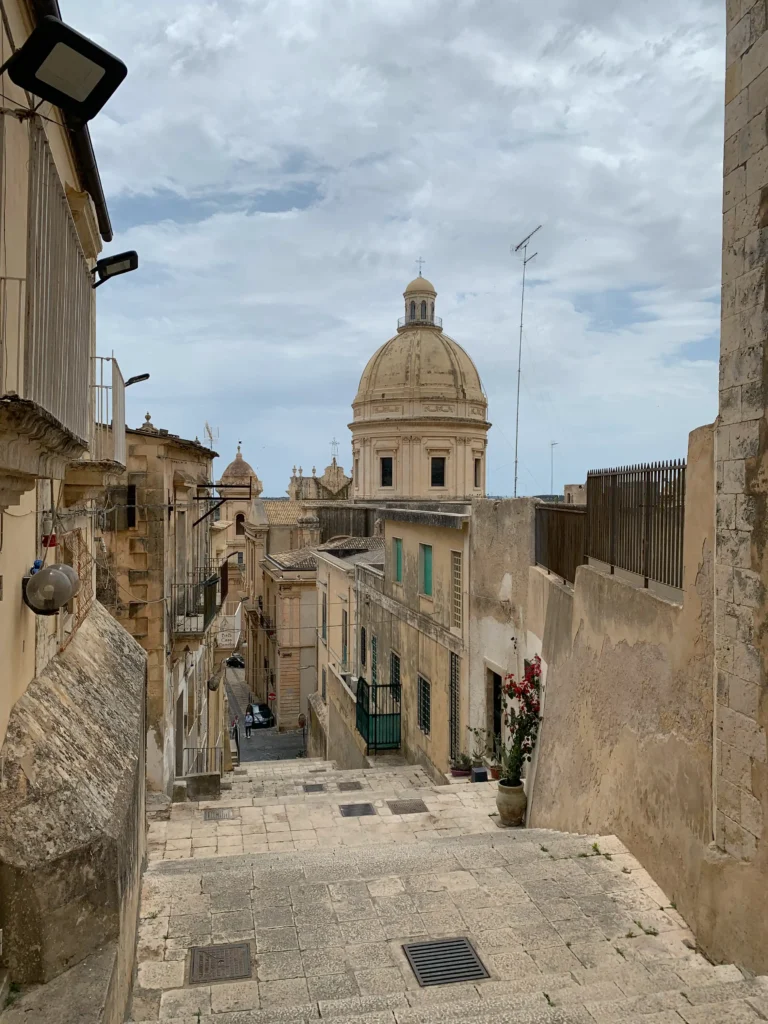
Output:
(248, 724)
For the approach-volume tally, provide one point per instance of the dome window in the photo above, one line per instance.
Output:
(438, 471)
(432, 311)
(240, 524)
(413, 310)
(423, 309)
(386, 471)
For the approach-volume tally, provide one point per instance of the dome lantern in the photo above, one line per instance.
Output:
(419, 299)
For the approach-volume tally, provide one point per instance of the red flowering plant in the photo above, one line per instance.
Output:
(521, 716)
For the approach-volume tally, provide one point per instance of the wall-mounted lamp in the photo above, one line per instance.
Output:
(114, 266)
(47, 590)
(66, 69)
(137, 379)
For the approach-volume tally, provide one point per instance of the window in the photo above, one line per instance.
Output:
(456, 602)
(363, 652)
(357, 473)
(438, 471)
(425, 705)
(432, 311)
(344, 622)
(240, 524)
(397, 559)
(324, 627)
(394, 676)
(453, 709)
(413, 310)
(130, 507)
(239, 557)
(423, 309)
(478, 472)
(386, 471)
(324, 682)
(425, 569)
(374, 660)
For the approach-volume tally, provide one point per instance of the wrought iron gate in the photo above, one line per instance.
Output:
(378, 715)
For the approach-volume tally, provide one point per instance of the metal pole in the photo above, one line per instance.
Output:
(552, 445)
(526, 259)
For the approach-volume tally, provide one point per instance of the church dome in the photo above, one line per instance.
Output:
(420, 284)
(240, 472)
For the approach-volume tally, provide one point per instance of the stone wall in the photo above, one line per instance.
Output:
(72, 839)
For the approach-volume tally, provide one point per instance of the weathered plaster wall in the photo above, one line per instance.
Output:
(72, 808)
(345, 744)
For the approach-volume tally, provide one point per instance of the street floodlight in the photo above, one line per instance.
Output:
(114, 266)
(66, 69)
(137, 379)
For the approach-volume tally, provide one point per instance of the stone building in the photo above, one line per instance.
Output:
(72, 841)
(333, 485)
(165, 579)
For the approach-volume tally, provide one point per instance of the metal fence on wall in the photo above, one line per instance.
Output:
(635, 519)
(561, 539)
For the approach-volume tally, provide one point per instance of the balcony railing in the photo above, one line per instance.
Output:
(378, 715)
(59, 336)
(194, 605)
(108, 421)
(427, 321)
(202, 760)
(561, 539)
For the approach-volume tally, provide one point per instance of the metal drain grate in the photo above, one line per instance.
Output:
(444, 961)
(218, 814)
(350, 787)
(313, 787)
(316, 771)
(407, 806)
(219, 963)
(356, 810)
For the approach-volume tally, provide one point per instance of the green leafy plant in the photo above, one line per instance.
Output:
(521, 716)
(14, 991)
(596, 848)
(479, 745)
(462, 762)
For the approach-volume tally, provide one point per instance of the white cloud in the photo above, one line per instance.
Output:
(400, 128)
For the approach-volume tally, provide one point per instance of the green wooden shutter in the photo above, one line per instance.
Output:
(426, 569)
(398, 560)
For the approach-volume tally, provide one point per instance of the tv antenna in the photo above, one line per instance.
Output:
(526, 260)
(211, 433)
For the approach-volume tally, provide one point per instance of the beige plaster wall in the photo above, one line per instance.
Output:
(17, 622)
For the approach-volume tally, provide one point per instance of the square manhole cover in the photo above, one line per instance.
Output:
(350, 787)
(444, 961)
(219, 963)
(313, 787)
(407, 806)
(356, 810)
(218, 814)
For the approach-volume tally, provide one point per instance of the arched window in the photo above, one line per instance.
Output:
(423, 309)
(240, 524)
(413, 310)
(432, 312)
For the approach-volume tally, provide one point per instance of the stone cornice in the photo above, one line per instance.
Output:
(33, 444)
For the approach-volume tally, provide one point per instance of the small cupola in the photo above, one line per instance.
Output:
(420, 298)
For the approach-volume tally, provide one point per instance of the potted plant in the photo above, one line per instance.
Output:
(461, 765)
(494, 761)
(479, 746)
(521, 716)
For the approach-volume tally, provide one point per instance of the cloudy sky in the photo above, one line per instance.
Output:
(280, 166)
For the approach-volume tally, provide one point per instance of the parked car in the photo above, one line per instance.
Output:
(262, 716)
(236, 661)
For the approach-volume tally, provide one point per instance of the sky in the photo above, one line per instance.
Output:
(280, 166)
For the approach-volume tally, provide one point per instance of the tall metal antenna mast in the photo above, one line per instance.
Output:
(526, 260)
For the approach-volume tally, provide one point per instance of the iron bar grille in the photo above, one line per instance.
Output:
(108, 413)
(194, 606)
(59, 335)
(635, 519)
(456, 589)
(202, 760)
(377, 716)
(561, 539)
(454, 706)
(74, 551)
(374, 661)
(394, 675)
(425, 704)
(444, 961)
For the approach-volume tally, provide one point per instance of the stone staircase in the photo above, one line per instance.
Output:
(570, 929)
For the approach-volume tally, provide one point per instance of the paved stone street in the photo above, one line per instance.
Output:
(571, 929)
(264, 744)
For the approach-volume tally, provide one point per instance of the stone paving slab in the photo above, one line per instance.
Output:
(571, 928)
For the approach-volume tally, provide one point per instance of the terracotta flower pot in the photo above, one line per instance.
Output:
(511, 802)
(495, 771)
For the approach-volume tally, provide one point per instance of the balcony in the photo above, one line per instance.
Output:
(107, 442)
(194, 606)
(419, 321)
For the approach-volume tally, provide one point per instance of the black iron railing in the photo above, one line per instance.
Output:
(202, 760)
(635, 518)
(428, 321)
(193, 605)
(378, 715)
(561, 539)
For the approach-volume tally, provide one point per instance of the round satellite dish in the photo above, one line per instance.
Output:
(48, 590)
(71, 575)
